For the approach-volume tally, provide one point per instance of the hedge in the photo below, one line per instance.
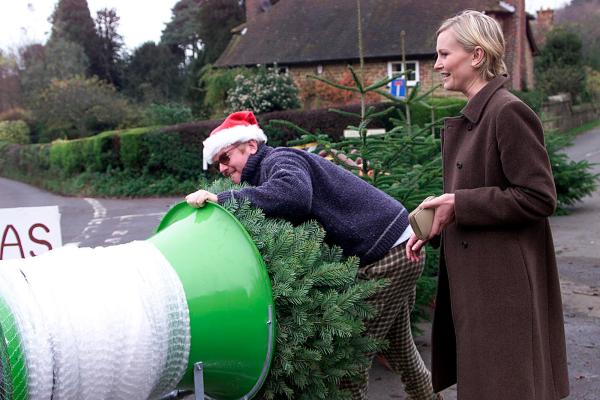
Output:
(173, 151)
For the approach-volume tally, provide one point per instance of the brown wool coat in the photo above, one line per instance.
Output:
(498, 324)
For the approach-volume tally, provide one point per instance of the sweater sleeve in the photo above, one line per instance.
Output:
(531, 193)
(286, 188)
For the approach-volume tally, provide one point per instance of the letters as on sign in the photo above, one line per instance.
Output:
(28, 231)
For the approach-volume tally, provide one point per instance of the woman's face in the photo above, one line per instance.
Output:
(456, 65)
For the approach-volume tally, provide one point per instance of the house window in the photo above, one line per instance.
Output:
(412, 76)
(282, 70)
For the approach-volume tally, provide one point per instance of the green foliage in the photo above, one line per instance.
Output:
(166, 114)
(405, 162)
(533, 98)
(319, 303)
(559, 67)
(14, 132)
(10, 86)
(183, 29)
(72, 22)
(216, 20)
(77, 108)
(64, 60)
(153, 74)
(573, 179)
(581, 17)
(266, 91)
(110, 43)
(215, 83)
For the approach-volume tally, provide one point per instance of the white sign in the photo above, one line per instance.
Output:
(28, 231)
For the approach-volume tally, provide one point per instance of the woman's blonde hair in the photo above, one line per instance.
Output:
(473, 28)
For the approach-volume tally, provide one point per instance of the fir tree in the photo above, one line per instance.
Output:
(319, 303)
(72, 21)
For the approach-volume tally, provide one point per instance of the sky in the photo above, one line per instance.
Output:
(26, 21)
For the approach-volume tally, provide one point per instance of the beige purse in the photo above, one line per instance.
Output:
(421, 220)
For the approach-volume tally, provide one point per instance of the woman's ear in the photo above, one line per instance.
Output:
(477, 56)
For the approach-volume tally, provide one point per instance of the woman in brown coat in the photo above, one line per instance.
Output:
(498, 326)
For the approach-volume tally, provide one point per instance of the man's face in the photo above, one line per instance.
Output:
(232, 159)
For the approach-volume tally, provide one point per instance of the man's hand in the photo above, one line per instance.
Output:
(199, 198)
(413, 248)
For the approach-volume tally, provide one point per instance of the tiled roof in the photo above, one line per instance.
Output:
(308, 31)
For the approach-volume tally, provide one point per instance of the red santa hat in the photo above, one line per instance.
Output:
(238, 127)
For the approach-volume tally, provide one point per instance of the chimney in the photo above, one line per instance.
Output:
(543, 24)
(516, 43)
(255, 7)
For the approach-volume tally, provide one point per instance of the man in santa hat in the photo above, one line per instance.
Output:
(361, 219)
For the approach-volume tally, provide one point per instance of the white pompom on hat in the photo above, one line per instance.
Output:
(238, 127)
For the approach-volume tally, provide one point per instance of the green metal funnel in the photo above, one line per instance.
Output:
(228, 291)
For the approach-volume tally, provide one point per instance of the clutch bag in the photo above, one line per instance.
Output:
(421, 220)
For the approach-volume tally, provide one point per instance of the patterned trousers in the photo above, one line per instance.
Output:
(392, 322)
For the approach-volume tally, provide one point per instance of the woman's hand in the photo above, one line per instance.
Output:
(199, 198)
(444, 212)
(444, 215)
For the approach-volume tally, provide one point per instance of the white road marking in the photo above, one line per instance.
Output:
(99, 210)
(119, 233)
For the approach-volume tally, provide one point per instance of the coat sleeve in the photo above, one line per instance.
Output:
(286, 190)
(530, 194)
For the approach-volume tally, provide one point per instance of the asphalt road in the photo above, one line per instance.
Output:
(104, 222)
(89, 222)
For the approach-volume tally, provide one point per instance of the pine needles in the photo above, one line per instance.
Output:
(320, 306)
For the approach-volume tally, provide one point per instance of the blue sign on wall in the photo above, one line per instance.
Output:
(398, 87)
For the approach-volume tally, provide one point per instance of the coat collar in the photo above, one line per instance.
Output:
(250, 173)
(475, 106)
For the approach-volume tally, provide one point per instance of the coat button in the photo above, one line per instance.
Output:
(459, 165)
(469, 126)
(464, 244)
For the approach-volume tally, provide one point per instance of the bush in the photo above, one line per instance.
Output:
(166, 114)
(533, 98)
(215, 83)
(77, 108)
(559, 67)
(14, 132)
(266, 91)
(573, 179)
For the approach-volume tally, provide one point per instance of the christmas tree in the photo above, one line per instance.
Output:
(320, 306)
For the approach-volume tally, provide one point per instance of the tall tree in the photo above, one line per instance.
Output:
(10, 87)
(559, 66)
(217, 18)
(111, 43)
(153, 74)
(581, 17)
(59, 59)
(33, 70)
(72, 21)
(183, 31)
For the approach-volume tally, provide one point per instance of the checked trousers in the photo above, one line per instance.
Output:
(392, 322)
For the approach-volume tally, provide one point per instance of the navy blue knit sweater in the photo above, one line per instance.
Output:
(298, 186)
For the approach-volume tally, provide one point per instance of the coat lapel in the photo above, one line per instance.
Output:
(475, 107)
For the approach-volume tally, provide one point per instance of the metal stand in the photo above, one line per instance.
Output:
(199, 380)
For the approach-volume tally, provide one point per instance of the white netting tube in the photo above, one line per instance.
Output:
(103, 323)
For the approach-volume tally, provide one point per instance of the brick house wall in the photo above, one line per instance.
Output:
(312, 96)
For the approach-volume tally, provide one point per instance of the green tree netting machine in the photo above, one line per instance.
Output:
(191, 307)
